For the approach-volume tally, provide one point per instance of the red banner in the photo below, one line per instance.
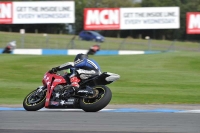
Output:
(6, 13)
(193, 23)
(101, 18)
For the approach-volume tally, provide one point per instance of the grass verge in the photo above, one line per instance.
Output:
(167, 78)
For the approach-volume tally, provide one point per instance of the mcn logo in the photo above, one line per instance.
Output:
(5, 12)
(101, 18)
(193, 23)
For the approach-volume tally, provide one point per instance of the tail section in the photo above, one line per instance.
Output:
(112, 76)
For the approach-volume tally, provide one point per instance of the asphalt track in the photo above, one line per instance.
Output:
(132, 119)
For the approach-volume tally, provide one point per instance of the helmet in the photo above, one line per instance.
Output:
(80, 57)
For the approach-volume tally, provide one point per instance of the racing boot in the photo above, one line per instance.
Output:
(74, 83)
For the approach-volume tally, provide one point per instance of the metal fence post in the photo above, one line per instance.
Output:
(72, 42)
(149, 44)
(22, 40)
(122, 44)
(171, 47)
(199, 46)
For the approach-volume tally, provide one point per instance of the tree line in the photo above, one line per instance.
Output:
(169, 34)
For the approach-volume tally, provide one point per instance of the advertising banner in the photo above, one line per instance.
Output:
(101, 18)
(131, 18)
(150, 18)
(6, 12)
(37, 12)
(193, 23)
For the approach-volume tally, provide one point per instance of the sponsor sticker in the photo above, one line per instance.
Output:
(54, 103)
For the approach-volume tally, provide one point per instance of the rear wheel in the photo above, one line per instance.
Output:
(34, 100)
(101, 100)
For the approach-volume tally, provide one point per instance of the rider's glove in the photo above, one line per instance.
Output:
(53, 70)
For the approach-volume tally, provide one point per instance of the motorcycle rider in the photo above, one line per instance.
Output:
(82, 68)
(10, 47)
(93, 49)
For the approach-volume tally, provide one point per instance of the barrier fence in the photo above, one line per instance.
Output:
(64, 42)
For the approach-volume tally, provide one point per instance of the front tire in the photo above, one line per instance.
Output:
(34, 102)
(99, 102)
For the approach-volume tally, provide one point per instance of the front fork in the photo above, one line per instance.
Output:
(40, 91)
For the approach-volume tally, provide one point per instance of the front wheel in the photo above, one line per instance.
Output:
(101, 100)
(34, 100)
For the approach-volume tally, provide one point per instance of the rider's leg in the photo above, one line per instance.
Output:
(74, 80)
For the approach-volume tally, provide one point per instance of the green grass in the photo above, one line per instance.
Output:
(167, 78)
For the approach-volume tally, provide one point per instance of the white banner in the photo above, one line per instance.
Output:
(43, 12)
(150, 18)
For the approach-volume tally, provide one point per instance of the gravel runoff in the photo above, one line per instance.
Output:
(137, 106)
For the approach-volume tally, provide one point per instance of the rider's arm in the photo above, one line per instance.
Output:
(62, 67)
(66, 66)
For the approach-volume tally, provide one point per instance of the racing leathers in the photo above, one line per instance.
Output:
(80, 69)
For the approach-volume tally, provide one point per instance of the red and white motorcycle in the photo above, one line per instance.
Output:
(93, 94)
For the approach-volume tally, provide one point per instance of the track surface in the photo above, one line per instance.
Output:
(76, 121)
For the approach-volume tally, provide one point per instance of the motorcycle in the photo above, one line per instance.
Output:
(10, 47)
(92, 96)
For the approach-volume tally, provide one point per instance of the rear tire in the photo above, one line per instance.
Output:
(35, 105)
(102, 100)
